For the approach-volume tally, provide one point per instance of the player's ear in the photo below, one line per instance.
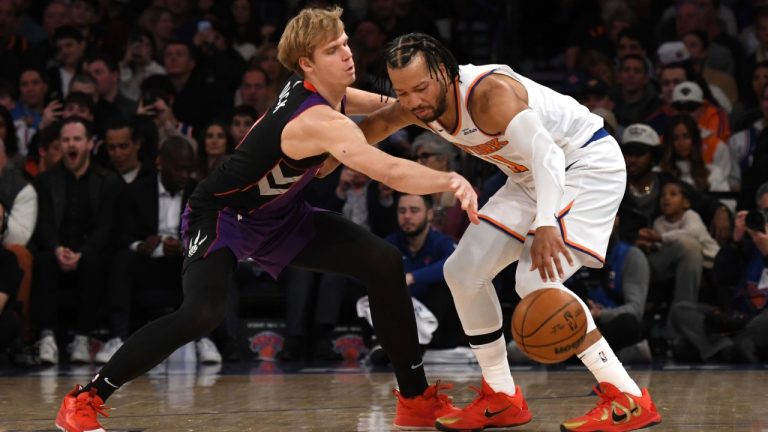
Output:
(305, 63)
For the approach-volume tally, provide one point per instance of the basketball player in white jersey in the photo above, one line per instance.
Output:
(554, 214)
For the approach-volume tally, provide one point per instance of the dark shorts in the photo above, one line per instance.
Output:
(271, 239)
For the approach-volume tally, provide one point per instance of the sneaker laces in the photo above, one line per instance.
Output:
(478, 399)
(443, 398)
(88, 407)
(432, 391)
(606, 398)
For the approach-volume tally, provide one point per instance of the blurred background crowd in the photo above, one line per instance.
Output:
(112, 111)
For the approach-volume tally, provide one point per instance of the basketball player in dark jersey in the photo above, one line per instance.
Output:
(250, 207)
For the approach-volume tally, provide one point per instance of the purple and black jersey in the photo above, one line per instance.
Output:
(259, 175)
(252, 202)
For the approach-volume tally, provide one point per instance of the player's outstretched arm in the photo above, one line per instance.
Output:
(320, 130)
(361, 102)
(386, 121)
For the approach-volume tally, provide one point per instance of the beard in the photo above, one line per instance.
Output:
(420, 228)
(438, 110)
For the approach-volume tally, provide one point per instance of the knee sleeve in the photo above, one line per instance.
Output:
(481, 254)
(477, 303)
(527, 281)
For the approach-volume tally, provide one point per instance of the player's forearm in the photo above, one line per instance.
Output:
(381, 124)
(547, 161)
(360, 102)
(411, 178)
(549, 187)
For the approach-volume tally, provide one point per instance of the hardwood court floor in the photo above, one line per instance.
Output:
(261, 397)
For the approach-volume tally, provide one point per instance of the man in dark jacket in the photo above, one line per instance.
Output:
(147, 265)
(76, 202)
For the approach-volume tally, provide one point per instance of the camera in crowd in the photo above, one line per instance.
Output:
(756, 220)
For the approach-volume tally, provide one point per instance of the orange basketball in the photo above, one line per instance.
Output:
(549, 325)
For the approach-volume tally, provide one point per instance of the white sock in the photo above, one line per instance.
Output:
(606, 367)
(493, 362)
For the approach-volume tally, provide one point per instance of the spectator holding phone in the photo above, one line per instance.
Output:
(138, 63)
(736, 330)
(222, 64)
(158, 96)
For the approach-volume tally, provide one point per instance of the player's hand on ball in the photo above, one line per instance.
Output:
(465, 193)
(546, 249)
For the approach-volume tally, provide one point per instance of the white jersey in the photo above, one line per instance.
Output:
(570, 123)
(595, 176)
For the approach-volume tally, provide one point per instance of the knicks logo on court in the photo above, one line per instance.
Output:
(267, 344)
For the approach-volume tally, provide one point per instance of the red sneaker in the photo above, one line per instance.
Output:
(78, 412)
(616, 412)
(490, 409)
(420, 412)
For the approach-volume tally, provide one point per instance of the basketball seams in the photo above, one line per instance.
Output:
(543, 323)
(558, 341)
(525, 316)
(542, 350)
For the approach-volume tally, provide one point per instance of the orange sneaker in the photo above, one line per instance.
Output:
(490, 409)
(420, 412)
(78, 412)
(616, 412)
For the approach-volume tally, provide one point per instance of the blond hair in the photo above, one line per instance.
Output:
(305, 32)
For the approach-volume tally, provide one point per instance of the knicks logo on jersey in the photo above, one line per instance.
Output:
(485, 150)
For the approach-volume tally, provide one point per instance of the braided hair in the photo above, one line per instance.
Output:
(399, 53)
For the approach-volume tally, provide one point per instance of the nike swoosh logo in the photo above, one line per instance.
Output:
(618, 418)
(106, 380)
(416, 366)
(488, 413)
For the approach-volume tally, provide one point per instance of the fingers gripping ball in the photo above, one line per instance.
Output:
(549, 325)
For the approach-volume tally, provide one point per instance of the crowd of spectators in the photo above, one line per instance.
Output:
(112, 111)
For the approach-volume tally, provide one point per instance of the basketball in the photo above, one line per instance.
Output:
(549, 325)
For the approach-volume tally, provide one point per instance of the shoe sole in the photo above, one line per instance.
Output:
(413, 428)
(440, 427)
(65, 430)
(649, 425)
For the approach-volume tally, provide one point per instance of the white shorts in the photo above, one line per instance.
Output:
(595, 181)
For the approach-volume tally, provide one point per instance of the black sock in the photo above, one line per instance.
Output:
(412, 382)
(104, 387)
